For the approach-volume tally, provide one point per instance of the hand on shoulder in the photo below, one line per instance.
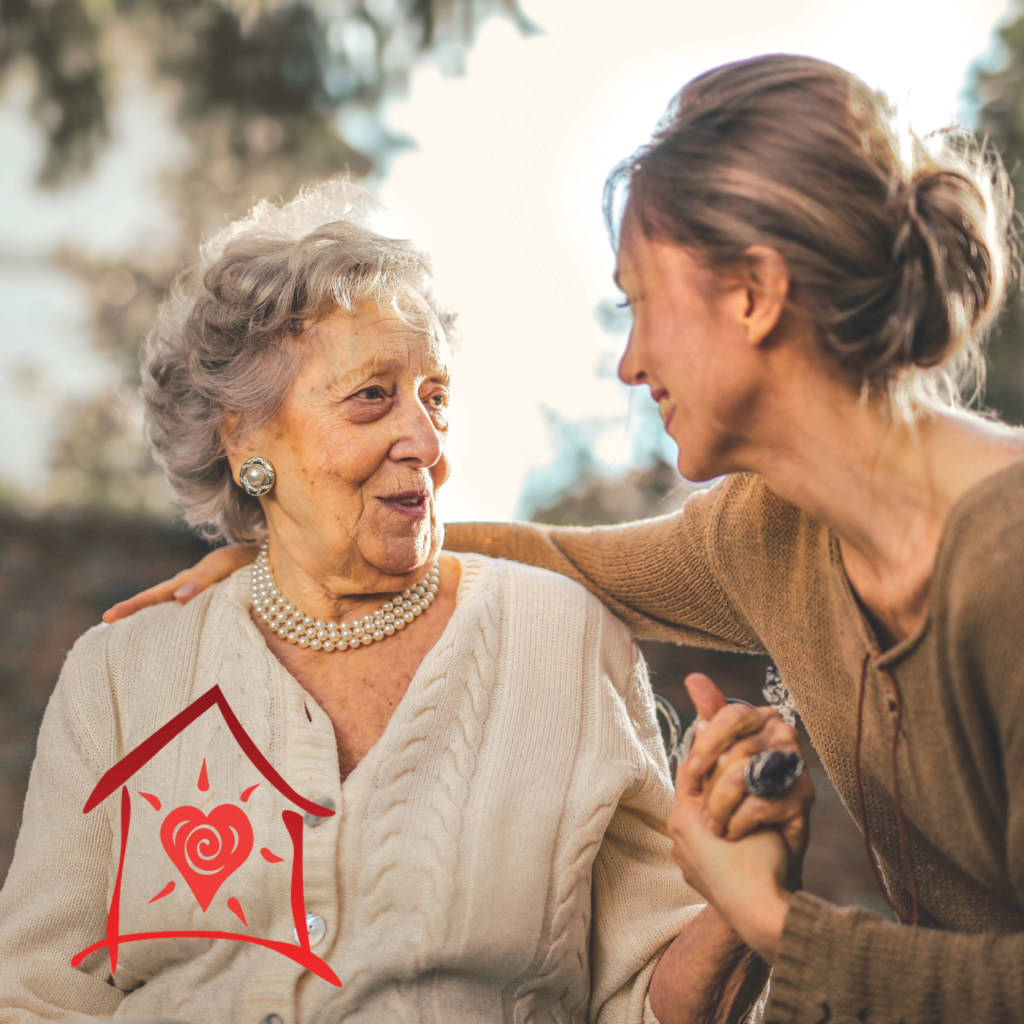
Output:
(214, 567)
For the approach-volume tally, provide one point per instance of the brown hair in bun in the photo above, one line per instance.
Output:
(901, 262)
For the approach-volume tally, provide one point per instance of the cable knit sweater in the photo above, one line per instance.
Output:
(496, 855)
(943, 718)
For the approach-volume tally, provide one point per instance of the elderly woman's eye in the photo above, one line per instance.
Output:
(372, 394)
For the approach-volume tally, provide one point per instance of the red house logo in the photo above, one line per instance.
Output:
(208, 848)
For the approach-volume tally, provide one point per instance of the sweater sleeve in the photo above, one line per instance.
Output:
(657, 576)
(640, 901)
(838, 964)
(54, 901)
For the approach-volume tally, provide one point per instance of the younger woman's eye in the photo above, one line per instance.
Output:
(624, 304)
(439, 401)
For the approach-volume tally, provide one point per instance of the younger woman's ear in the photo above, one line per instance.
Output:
(766, 282)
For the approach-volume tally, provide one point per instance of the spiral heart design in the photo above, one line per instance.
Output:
(207, 848)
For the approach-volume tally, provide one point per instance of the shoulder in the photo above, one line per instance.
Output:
(766, 552)
(745, 506)
(993, 510)
(143, 664)
(976, 614)
(979, 579)
(741, 515)
(162, 627)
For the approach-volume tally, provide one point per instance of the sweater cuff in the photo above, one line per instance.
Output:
(797, 995)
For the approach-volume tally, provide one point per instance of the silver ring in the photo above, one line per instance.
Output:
(772, 773)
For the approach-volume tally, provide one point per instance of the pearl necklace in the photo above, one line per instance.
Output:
(296, 627)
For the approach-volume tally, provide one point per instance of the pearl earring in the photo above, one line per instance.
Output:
(256, 476)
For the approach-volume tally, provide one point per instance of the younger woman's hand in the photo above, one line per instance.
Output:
(744, 880)
(733, 733)
(217, 565)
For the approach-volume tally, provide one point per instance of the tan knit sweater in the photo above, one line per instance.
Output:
(496, 855)
(739, 568)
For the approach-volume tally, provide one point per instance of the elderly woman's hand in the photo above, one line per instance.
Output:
(733, 733)
(743, 880)
(217, 565)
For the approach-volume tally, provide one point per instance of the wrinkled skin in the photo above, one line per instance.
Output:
(358, 447)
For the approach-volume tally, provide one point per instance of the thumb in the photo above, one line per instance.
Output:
(707, 698)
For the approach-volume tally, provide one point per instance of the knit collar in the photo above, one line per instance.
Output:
(235, 637)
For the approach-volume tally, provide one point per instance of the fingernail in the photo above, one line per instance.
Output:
(695, 766)
(187, 591)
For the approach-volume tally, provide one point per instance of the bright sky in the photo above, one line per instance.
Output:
(504, 189)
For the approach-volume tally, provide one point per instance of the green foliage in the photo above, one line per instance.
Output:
(1000, 97)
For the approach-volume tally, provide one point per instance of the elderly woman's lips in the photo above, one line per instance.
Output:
(411, 503)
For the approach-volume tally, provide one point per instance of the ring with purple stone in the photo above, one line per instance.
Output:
(771, 774)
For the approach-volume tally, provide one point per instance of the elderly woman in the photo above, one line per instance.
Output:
(498, 847)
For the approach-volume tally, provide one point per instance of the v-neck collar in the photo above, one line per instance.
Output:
(961, 509)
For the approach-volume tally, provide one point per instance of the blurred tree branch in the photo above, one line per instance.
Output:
(296, 63)
(60, 40)
(269, 94)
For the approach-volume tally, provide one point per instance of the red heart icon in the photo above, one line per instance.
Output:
(207, 848)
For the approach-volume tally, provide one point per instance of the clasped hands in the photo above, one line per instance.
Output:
(744, 855)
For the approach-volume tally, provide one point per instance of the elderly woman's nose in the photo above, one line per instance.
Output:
(418, 438)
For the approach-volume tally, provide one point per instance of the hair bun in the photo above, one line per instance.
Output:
(947, 281)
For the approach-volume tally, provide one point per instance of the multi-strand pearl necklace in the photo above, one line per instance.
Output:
(298, 628)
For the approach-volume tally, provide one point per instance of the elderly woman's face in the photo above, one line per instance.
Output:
(359, 448)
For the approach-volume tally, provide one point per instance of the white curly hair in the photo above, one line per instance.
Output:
(221, 340)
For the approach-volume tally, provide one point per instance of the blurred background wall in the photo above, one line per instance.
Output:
(130, 129)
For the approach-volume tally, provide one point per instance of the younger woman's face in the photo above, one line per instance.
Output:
(689, 346)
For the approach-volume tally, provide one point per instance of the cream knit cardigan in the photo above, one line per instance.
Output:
(496, 856)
